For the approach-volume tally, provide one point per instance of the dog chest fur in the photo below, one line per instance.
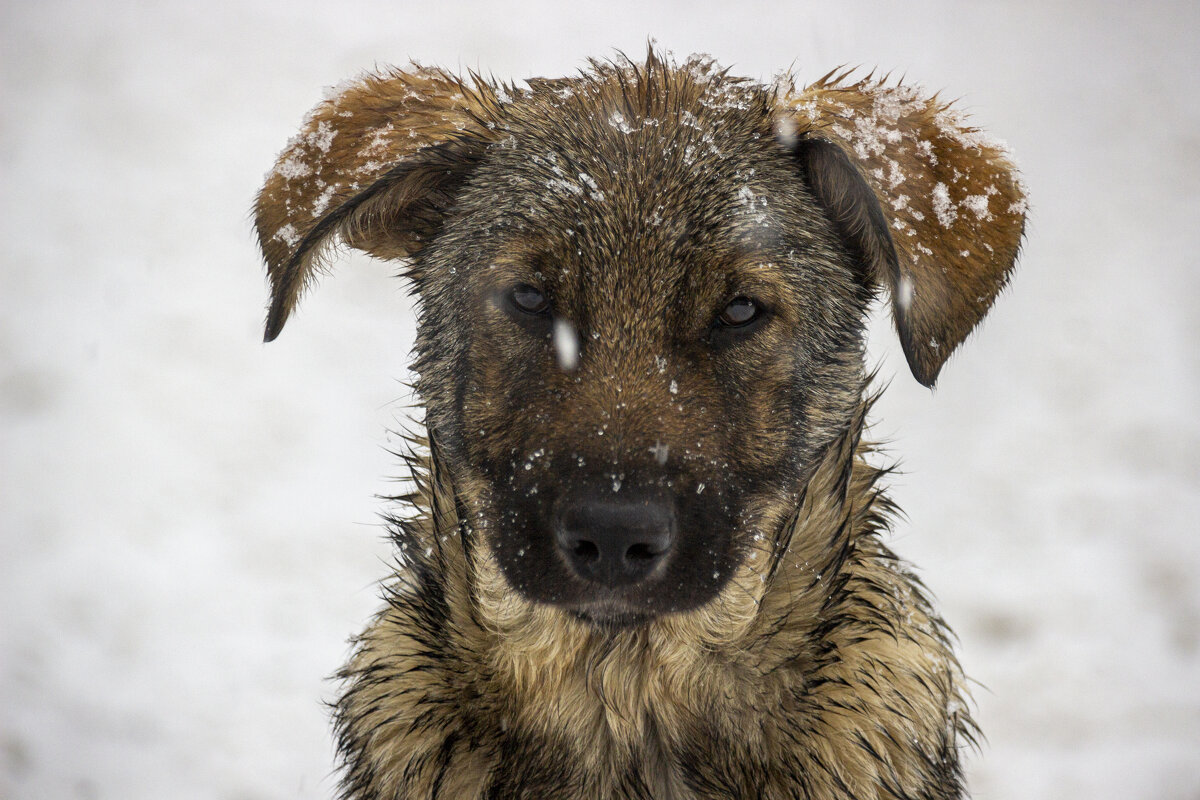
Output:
(835, 680)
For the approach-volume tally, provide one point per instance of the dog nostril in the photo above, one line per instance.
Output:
(585, 552)
(640, 552)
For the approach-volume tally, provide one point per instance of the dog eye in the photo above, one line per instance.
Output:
(528, 299)
(740, 311)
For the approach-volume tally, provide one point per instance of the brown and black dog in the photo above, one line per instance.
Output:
(644, 559)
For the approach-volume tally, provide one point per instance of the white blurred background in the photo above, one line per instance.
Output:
(188, 528)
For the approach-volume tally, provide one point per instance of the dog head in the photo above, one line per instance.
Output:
(642, 294)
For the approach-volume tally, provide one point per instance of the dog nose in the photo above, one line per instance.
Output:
(615, 541)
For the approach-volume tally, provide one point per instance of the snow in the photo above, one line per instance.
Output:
(188, 528)
(617, 120)
(566, 344)
(292, 168)
(977, 204)
(943, 206)
(288, 235)
(906, 292)
(785, 129)
(322, 137)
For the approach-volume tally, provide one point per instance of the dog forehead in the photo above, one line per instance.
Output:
(634, 186)
(633, 140)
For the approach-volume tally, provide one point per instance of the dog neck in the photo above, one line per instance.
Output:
(822, 638)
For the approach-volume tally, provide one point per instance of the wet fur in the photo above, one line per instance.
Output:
(802, 659)
(831, 678)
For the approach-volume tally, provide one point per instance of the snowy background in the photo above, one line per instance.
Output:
(188, 531)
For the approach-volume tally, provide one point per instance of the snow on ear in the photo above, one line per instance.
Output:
(375, 166)
(945, 228)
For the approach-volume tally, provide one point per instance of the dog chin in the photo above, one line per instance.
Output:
(612, 619)
(606, 609)
(617, 614)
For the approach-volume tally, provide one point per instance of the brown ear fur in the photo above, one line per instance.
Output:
(374, 166)
(952, 200)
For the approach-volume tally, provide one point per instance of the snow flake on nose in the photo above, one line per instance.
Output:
(566, 345)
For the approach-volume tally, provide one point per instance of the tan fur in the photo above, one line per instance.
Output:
(743, 665)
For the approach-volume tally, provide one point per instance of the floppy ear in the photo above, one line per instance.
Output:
(932, 208)
(375, 166)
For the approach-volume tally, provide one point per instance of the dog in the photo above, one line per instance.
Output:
(643, 557)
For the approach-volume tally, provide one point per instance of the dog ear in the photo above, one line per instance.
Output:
(932, 208)
(376, 166)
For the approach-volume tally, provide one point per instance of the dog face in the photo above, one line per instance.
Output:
(642, 296)
(656, 341)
